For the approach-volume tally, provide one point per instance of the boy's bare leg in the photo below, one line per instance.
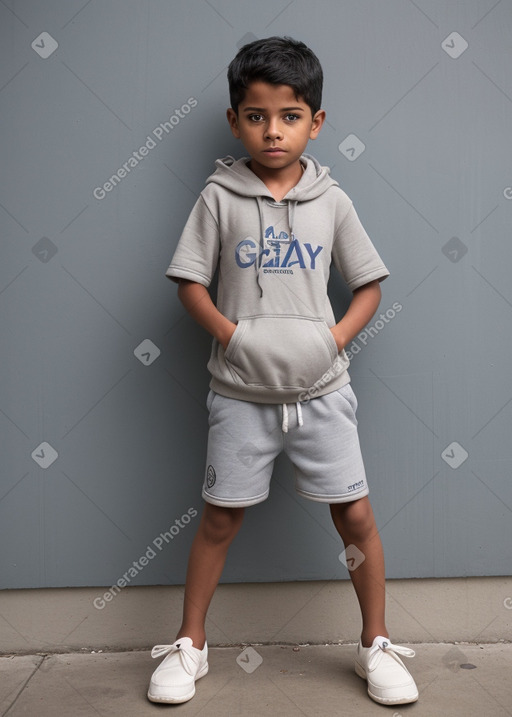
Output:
(216, 531)
(356, 525)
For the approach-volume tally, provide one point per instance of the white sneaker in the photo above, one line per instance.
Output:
(174, 679)
(389, 681)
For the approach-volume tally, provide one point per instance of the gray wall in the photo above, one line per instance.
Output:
(82, 283)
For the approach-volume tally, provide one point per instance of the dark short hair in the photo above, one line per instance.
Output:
(278, 61)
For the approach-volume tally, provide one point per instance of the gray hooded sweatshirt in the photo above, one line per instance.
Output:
(274, 261)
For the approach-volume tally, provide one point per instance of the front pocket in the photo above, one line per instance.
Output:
(280, 351)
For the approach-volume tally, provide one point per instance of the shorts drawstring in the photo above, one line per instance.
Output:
(299, 414)
(300, 422)
(284, 425)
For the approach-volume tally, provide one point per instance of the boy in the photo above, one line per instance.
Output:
(272, 223)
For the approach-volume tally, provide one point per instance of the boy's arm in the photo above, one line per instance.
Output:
(364, 304)
(198, 302)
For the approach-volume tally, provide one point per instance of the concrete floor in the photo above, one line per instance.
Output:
(463, 679)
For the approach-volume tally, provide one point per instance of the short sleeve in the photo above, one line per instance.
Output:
(197, 253)
(354, 255)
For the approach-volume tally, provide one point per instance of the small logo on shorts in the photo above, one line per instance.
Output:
(355, 486)
(210, 477)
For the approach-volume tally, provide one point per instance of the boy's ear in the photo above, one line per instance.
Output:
(233, 121)
(316, 125)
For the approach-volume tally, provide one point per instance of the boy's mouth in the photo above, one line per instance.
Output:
(274, 150)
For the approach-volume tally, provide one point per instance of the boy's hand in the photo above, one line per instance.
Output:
(225, 337)
(340, 342)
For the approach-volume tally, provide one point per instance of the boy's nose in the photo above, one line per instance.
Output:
(273, 131)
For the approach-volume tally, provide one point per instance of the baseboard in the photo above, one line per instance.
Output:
(319, 612)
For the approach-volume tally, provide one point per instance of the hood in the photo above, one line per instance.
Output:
(235, 175)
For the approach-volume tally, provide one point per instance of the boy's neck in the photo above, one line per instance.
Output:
(278, 181)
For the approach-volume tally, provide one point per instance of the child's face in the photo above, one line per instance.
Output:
(273, 125)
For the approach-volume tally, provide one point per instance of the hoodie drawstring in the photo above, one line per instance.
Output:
(290, 205)
(300, 422)
(257, 263)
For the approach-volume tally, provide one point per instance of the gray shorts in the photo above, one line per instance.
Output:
(320, 438)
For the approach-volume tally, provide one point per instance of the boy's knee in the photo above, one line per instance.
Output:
(221, 524)
(355, 518)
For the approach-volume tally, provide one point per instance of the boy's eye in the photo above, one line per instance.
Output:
(289, 117)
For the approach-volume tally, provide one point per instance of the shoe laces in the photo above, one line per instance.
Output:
(382, 644)
(188, 655)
